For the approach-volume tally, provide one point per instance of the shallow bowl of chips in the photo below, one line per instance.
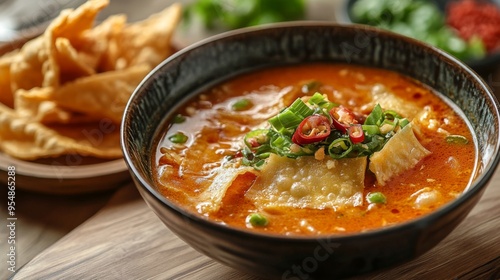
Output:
(63, 92)
(324, 256)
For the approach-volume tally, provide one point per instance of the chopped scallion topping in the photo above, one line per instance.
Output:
(301, 129)
(457, 139)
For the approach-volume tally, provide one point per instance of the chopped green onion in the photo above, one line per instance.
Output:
(391, 115)
(291, 117)
(403, 122)
(242, 104)
(319, 100)
(300, 108)
(179, 119)
(178, 138)
(257, 220)
(255, 138)
(376, 197)
(339, 148)
(376, 116)
(457, 139)
(371, 129)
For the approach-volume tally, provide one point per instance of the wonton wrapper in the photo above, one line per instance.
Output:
(401, 153)
(30, 140)
(37, 65)
(62, 88)
(6, 96)
(214, 194)
(33, 104)
(104, 95)
(306, 182)
(145, 42)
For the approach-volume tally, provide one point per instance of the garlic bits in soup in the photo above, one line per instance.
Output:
(315, 149)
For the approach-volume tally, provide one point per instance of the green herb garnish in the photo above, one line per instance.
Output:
(457, 139)
(232, 14)
(281, 137)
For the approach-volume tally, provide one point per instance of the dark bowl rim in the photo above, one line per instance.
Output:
(477, 186)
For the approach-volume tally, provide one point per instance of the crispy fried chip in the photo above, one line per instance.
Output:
(70, 25)
(29, 140)
(26, 67)
(6, 96)
(104, 94)
(72, 63)
(34, 104)
(64, 91)
(147, 41)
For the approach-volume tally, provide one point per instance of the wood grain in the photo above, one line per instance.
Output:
(125, 240)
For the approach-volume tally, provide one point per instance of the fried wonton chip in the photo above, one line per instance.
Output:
(68, 81)
(104, 95)
(143, 42)
(72, 63)
(37, 63)
(29, 140)
(34, 104)
(26, 67)
(6, 96)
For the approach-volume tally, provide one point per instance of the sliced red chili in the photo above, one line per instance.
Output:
(342, 118)
(315, 128)
(356, 133)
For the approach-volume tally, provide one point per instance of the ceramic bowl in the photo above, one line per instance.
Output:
(325, 257)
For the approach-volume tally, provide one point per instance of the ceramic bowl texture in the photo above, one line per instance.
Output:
(326, 257)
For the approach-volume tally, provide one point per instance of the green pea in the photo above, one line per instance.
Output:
(376, 197)
(178, 138)
(242, 104)
(179, 119)
(257, 220)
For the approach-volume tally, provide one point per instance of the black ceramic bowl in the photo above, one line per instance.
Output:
(226, 55)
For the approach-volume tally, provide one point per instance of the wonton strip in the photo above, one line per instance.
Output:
(388, 100)
(309, 183)
(213, 196)
(402, 152)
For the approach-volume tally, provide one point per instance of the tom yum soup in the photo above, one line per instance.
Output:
(315, 149)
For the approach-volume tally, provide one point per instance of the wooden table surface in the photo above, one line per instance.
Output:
(113, 235)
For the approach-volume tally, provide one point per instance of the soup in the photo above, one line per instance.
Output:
(315, 149)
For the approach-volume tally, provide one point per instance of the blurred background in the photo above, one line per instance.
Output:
(467, 29)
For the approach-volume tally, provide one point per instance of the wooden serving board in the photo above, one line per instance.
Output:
(125, 240)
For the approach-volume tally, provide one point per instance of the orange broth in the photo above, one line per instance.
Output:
(213, 135)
